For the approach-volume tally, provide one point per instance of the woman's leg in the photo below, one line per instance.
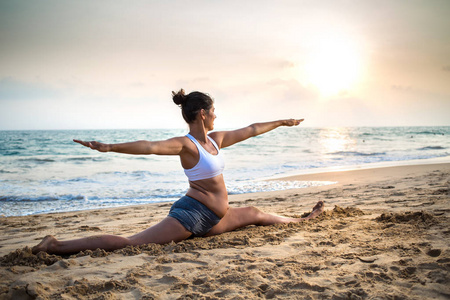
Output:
(164, 232)
(239, 217)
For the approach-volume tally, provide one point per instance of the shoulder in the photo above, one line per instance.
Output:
(217, 136)
(186, 142)
(180, 142)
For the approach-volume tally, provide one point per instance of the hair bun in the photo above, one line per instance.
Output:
(179, 98)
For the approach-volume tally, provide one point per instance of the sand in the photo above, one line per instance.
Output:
(384, 235)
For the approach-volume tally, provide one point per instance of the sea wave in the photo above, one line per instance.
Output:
(427, 132)
(9, 153)
(133, 174)
(37, 160)
(25, 198)
(86, 158)
(432, 148)
(356, 153)
(268, 186)
(84, 198)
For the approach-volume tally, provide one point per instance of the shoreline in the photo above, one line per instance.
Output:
(376, 165)
(384, 233)
(319, 174)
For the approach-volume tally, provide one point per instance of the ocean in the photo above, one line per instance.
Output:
(45, 171)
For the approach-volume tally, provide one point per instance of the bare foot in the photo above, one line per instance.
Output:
(317, 210)
(45, 245)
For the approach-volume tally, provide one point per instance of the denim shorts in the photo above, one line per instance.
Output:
(194, 215)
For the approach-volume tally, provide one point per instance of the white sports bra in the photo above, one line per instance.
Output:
(208, 165)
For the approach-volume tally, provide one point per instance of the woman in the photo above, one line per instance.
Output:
(204, 210)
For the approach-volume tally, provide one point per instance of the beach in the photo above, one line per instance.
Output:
(384, 235)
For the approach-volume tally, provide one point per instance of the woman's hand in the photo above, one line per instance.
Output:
(94, 145)
(292, 122)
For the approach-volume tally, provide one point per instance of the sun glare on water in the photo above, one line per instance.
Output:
(336, 140)
(334, 64)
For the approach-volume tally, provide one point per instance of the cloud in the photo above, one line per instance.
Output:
(284, 64)
(196, 81)
(293, 90)
(346, 111)
(12, 89)
(402, 88)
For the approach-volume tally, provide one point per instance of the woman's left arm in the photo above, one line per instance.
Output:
(228, 138)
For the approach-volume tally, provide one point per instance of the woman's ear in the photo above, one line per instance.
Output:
(203, 114)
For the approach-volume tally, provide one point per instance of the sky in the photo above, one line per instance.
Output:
(113, 64)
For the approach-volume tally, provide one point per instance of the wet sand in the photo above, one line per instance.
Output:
(384, 234)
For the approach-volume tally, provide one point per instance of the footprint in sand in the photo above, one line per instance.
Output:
(88, 228)
(434, 252)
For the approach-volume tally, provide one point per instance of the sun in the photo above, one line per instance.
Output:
(334, 64)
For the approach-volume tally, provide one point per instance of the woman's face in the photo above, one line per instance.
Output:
(210, 117)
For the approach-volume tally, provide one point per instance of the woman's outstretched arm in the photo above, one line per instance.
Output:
(173, 146)
(228, 138)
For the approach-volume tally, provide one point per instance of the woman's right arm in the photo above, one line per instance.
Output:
(173, 146)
